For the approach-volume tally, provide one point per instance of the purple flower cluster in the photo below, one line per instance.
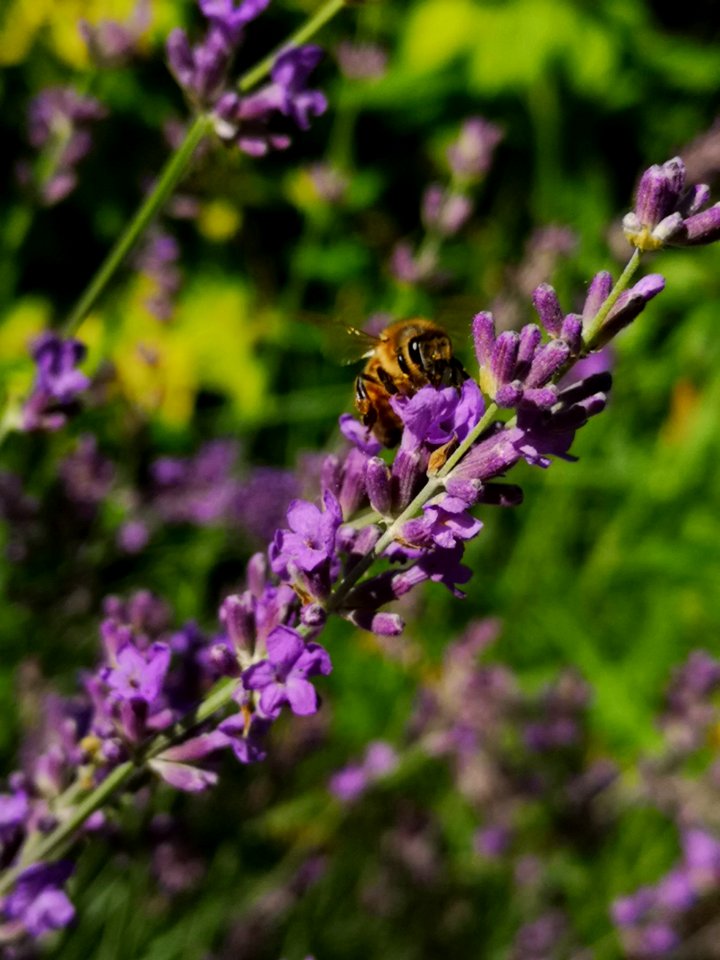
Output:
(684, 781)
(249, 121)
(158, 260)
(58, 382)
(669, 211)
(350, 783)
(59, 124)
(113, 44)
(205, 490)
(470, 156)
(655, 919)
(446, 210)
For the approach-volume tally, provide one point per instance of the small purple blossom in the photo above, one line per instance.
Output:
(437, 416)
(515, 367)
(60, 121)
(200, 70)
(361, 61)
(37, 902)
(200, 489)
(668, 211)
(250, 121)
(443, 523)
(246, 735)
(350, 783)
(58, 382)
(231, 18)
(282, 678)
(445, 212)
(86, 474)
(158, 260)
(137, 675)
(470, 155)
(113, 44)
(309, 543)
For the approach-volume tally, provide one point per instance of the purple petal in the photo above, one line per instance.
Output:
(184, 777)
(302, 696)
(284, 646)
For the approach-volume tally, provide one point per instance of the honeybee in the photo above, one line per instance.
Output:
(406, 356)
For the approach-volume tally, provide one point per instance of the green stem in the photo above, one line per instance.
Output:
(54, 840)
(326, 12)
(593, 328)
(49, 846)
(176, 168)
(168, 180)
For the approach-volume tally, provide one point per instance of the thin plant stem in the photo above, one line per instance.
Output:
(593, 329)
(326, 12)
(176, 168)
(168, 180)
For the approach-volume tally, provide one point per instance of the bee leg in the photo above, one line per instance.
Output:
(362, 402)
(387, 381)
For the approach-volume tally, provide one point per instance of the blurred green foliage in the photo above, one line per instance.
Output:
(611, 565)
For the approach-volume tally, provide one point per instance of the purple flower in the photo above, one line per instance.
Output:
(444, 523)
(246, 736)
(352, 781)
(230, 18)
(176, 764)
(282, 677)
(57, 382)
(262, 500)
(59, 123)
(408, 267)
(358, 435)
(14, 809)
(200, 489)
(137, 675)
(628, 911)
(701, 853)
(200, 70)
(437, 416)
(655, 940)
(445, 212)
(361, 61)
(310, 541)
(668, 211)
(157, 259)
(492, 841)
(515, 367)
(38, 901)
(471, 154)
(86, 474)
(112, 44)
(249, 121)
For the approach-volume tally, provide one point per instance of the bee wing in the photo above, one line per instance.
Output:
(358, 344)
(342, 342)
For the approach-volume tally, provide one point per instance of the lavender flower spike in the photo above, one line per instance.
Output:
(250, 121)
(470, 155)
(57, 383)
(59, 121)
(666, 211)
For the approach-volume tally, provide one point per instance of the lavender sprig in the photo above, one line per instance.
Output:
(136, 712)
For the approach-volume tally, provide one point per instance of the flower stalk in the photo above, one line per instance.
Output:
(178, 165)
